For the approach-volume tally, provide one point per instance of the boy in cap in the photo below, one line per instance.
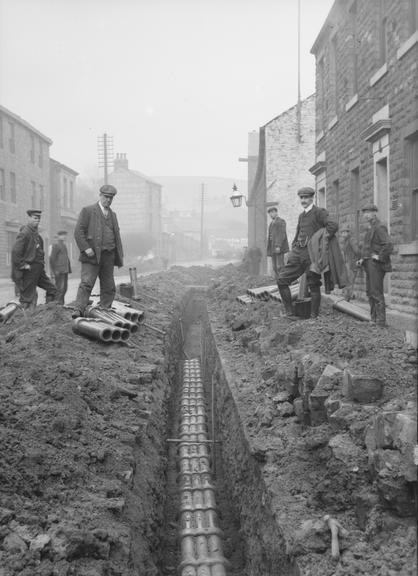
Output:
(28, 263)
(375, 259)
(310, 221)
(59, 263)
(277, 243)
(98, 238)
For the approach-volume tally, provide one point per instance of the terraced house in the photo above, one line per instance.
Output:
(367, 131)
(24, 180)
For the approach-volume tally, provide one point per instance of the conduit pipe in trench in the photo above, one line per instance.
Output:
(200, 536)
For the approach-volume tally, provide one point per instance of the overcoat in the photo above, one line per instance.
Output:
(277, 237)
(58, 259)
(377, 241)
(88, 233)
(24, 250)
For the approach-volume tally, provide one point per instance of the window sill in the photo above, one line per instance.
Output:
(378, 74)
(410, 249)
(351, 102)
(320, 136)
(406, 46)
(333, 122)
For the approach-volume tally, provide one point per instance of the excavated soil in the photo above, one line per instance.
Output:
(84, 462)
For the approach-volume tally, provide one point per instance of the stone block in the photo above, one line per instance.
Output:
(344, 449)
(383, 429)
(330, 379)
(364, 502)
(332, 403)
(362, 388)
(396, 493)
(343, 417)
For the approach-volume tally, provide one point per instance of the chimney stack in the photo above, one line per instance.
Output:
(120, 162)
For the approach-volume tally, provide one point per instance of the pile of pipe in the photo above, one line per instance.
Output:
(99, 330)
(111, 317)
(7, 311)
(129, 313)
(200, 536)
(266, 293)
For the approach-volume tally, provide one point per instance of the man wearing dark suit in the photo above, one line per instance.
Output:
(28, 263)
(277, 244)
(310, 221)
(60, 266)
(98, 238)
(375, 258)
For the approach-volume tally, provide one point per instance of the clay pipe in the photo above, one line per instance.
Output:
(335, 528)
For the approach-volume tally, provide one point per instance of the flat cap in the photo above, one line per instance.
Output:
(306, 191)
(370, 208)
(108, 190)
(272, 207)
(34, 212)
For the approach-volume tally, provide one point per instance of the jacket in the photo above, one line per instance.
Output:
(24, 250)
(58, 259)
(277, 237)
(88, 234)
(320, 220)
(377, 241)
(325, 255)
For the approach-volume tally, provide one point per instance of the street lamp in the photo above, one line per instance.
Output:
(236, 198)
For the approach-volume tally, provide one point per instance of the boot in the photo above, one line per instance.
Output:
(315, 303)
(287, 301)
(380, 309)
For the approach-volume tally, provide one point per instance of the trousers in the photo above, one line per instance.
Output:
(61, 282)
(31, 279)
(297, 263)
(89, 274)
(277, 262)
(375, 291)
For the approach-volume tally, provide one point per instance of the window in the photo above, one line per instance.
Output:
(65, 202)
(354, 55)
(333, 72)
(32, 148)
(413, 183)
(321, 198)
(11, 239)
(13, 194)
(41, 197)
(413, 16)
(71, 200)
(2, 186)
(336, 197)
(33, 197)
(382, 33)
(321, 106)
(355, 199)
(12, 146)
(41, 154)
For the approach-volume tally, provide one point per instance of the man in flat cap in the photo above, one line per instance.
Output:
(310, 221)
(375, 259)
(60, 265)
(98, 238)
(28, 263)
(277, 243)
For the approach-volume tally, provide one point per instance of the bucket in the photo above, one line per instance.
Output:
(303, 308)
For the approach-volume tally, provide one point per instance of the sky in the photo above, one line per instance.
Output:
(178, 84)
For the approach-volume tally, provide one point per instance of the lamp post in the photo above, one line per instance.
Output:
(236, 198)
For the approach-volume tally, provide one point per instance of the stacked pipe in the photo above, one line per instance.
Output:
(99, 330)
(200, 536)
(262, 292)
(7, 311)
(129, 313)
(111, 317)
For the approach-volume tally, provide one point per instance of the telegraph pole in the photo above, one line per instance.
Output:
(298, 109)
(202, 202)
(105, 153)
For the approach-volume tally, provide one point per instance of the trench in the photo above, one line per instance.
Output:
(238, 523)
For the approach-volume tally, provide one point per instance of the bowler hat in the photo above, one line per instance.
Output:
(370, 208)
(306, 191)
(34, 213)
(108, 190)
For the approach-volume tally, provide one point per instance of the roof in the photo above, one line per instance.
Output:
(63, 166)
(147, 178)
(304, 101)
(333, 16)
(25, 124)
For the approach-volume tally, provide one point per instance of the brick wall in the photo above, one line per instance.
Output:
(367, 123)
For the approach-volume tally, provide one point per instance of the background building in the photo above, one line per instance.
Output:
(286, 151)
(24, 181)
(367, 129)
(138, 203)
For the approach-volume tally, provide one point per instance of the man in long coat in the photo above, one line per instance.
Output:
(310, 221)
(98, 237)
(28, 263)
(277, 243)
(60, 265)
(375, 258)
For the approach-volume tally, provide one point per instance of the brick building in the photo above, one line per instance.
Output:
(62, 197)
(286, 150)
(24, 181)
(367, 130)
(138, 203)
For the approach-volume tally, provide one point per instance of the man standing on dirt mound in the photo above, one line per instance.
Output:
(310, 221)
(60, 265)
(28, 263)
(277, 243)
(375, 258)
(98, 238)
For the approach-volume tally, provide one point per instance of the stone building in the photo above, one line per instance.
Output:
(62, 197)
(367, 130)
(286, 150)
(24, 181)
(138, 203)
